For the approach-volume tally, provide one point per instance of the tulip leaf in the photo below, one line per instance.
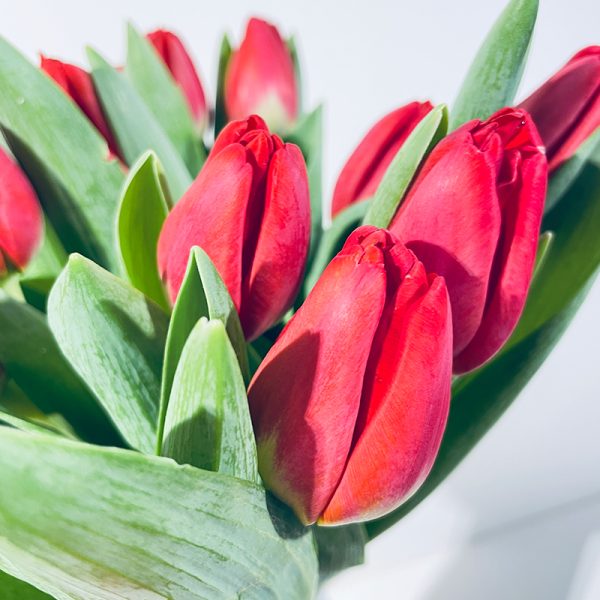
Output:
(544, 245)
(155, 85)
(119, 524)
(224, 57)
(340, 548)
(32, 359)
(202, 294)
(494, 75)
(402, 169)
(207, 424)
(114, 337)
(27, 425)
(292, 47)
(16, 589)
(143, 210)
(308, 135)
(333, 239)
(479, 399)
(133, 124)
(63, 155)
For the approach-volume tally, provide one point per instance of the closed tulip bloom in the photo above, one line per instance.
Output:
(365, 168)
(350, 403)
(249, 209)
(566, 109)
(473, 215)
(177, 59)
(21, 223)
(261, 79)
(78, 85)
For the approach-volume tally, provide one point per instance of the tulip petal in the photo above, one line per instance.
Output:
(285, 235)
(405, 403)
(304, 434)
(212, 215)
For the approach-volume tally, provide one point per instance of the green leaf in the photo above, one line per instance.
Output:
(26, 425)
(134, 126)
(544, 244)
(220, 112)
(402, 169)
(308, 135)
(208, 424)
(293, 50)
(63, 155)
(34, 362)
(340, 548)
(114, 337)
(494, 76)
(202, 294)
(333, 239)
(568, 271)
(142, 212)
(15, 589)
(162, 95)
(118, 524)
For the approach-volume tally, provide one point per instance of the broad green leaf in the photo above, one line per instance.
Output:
(15, 589)
(494, 75)
(333, 239)
(134, 126)
(118, 524)
(202, 294)
(208, 424)
(220, 112)
(142, 212)
(480, 398)
(340, 548)
(63, 155)
(32, 359)
(114, 337)
(164, 98)
(403, 167)
(308, 135)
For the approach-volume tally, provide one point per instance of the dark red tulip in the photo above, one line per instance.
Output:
(566, 109)
(473, 215)
(249, 209)
(177, 59)
(21, 222)
(260, 78)
(78, 85)
(350, 404)
(366, 166)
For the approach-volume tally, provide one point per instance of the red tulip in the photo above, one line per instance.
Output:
(473, 215)
(350, 404)
(177, 59)
(260, 78)
(366, 166)
(78, 85)
(249, 209)
(21, 223)
(566, 109)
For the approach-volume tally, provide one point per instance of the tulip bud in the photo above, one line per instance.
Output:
(350, 403)
(249, 209)
(473, 215)
(260, 78)
(365, 168)
(177, 59)
(566, 109)
(21, 223)
(78, 85)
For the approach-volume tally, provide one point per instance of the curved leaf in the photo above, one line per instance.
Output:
(15, 589)
(220, 112)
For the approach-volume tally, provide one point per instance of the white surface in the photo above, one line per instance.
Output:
(520, 518)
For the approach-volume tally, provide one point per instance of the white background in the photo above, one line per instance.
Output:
(520, 518)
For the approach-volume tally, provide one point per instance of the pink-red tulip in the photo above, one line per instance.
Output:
(350, 404)
(473, 215)
(249, 209)
(260, 78)
(78, 85)
(566, 109)
(21, 223)
(177, 59)
(366, 166)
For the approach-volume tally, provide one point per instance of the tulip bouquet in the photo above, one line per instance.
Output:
(208, 388)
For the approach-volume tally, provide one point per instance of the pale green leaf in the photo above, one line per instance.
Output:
(340, 548)
(220, 112)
